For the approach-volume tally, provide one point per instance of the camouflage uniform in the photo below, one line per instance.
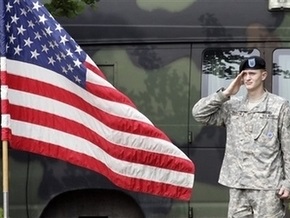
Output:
(257, 154)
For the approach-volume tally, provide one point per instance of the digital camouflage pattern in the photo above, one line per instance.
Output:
(257, 154)
(245, 203)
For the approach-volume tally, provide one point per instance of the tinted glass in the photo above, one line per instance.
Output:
(281, 73)
(220, 66)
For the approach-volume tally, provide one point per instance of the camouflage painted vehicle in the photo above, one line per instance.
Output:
(164, 55)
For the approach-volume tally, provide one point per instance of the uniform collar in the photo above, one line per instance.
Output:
(261, 107)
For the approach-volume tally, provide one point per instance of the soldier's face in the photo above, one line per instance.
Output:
(253, 79)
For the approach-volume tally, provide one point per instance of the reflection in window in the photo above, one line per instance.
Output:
(221, 65)
(281, 73)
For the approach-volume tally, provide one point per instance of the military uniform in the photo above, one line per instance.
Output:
(257, 153)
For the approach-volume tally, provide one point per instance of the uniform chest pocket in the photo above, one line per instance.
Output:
(265, 130)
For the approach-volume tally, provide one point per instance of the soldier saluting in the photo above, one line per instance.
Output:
(256, 164)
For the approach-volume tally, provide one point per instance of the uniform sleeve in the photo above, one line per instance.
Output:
(285, 142)
(211, 110)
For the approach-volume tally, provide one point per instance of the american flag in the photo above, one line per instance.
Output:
(56, 102)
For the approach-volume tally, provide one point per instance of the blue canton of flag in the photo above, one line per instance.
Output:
(34, 36)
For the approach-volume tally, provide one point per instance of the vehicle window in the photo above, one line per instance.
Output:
(281, 73)
(220, 66)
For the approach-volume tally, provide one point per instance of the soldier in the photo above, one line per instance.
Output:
(256, 164)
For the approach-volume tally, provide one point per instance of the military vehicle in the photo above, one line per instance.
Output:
(164, 55)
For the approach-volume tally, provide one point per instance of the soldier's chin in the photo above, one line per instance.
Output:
(249, 87)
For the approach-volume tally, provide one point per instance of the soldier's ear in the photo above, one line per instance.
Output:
(264, 75)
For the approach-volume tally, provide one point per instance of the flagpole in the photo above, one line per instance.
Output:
(4, 142)
(5, 178)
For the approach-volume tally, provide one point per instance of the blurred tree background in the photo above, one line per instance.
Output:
(68, 8)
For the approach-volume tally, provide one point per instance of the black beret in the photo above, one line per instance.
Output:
(254, 62)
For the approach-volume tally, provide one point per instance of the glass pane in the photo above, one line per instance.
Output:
(281, 73)
(108, 70)
(220, 66)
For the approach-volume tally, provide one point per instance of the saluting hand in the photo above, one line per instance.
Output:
(235, 85)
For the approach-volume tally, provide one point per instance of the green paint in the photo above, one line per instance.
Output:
(167, 5)
(126, 72)
(283, 30)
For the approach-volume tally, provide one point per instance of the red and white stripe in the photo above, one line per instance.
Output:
(98, 128)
